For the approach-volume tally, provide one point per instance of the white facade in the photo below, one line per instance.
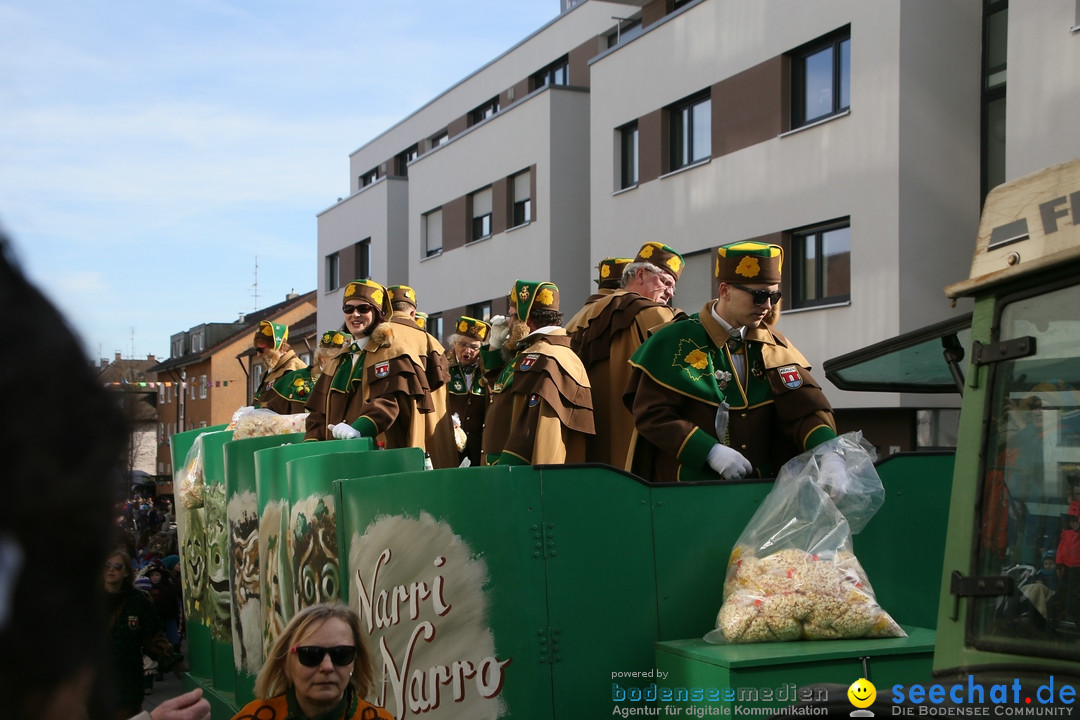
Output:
(902, 164)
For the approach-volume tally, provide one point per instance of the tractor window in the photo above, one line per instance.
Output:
(1031, 484)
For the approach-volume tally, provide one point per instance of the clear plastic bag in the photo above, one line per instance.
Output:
(249, 422)
(793, 574)
(192, 482)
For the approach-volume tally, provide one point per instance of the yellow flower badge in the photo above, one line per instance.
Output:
(646, 250)
(481, 330)
(749, 267)
(462, 326)
(545, 297)
(674, 263)
(376, 295)
(697, 359)
(339, 339)
(268, 331)
(605, 270)
(350, 290)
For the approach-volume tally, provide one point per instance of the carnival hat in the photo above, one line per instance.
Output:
(530, 295)
(473, 328)
(402, 293)
(372, 293)
(610, 272)
(749, 261)
(663, 257)
(271, 334)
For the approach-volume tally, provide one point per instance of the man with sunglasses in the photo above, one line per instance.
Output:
(611, 330)
(380, 387)
(723, 393)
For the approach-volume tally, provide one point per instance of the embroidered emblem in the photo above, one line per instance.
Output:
(791, 377)
(497, 387)
(382, 369)
(458, 386)
(534, 400)
(748, 267)
(723, 377)
(527, 363)
(545, 297)
(691, 359)
(133, 622)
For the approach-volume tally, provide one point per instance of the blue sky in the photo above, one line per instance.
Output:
(150, 151)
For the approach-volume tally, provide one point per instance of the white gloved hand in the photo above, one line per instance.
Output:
(344, 431)
(833, 476)
(500, 330)
(728, 462)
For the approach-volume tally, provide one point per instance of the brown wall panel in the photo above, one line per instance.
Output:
(651, 146)
(579, 62)
(652, 12)
(502, 204)
(456, 223)
(747, 108)
(458, 126)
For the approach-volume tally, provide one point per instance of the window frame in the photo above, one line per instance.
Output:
(480, 226)
(439, 139)
(626, 182)
(840, 72)
(369, 177)
(799, 262)
(429, 251)
(520, 208)
(333, 271)
(363, 259)
(552, 74)
(482, 112)
(686, 132)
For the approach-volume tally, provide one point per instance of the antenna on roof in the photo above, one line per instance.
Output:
(255, 287)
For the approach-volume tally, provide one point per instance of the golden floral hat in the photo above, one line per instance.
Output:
(335, 339)
(610, 271)
(421, 320)
(749, 261)
(471, 327)
(529, 294)
(271, 334)
(402, 293)
(372, 293)
(663, 257)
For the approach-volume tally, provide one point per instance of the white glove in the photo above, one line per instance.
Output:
(343, 431)
(728, 462)
(833, 476)
(500, 330)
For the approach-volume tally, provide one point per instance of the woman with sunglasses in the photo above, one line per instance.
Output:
(286, 382)
(319, 668)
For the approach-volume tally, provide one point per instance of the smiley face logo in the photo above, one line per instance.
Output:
(862, 693)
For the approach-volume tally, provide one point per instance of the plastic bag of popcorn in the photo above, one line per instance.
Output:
(249, 422)
(793, 573)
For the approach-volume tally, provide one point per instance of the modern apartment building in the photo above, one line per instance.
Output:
(860, 136)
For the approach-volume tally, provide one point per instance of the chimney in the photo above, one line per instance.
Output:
(292, 295)
(150, 358)
(118, 358)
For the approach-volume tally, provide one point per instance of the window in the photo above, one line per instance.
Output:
(333, 272)
(369, 177)
(522, 187)
(995, 66)
(481, 214)
(480, 311)
(202, 387)
(403, 158)
(432, 230)
(257, 372)
(628, 155)
(821, 78)
(363, 259)
(440, 138)
(434, 325)
(557, 73)
(625, 31)
(690, 130)
(822, 262)
(198, 341)
(484, 111)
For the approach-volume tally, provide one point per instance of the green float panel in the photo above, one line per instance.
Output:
(696, 526)
(313, 546)
(272, 495)
(192, 539)
(901, 547)
(772, 675)
(218, 612)
(596, 534)
(242, 512)
(447, 570)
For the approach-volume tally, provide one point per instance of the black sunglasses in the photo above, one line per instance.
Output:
(113, 565)
(362, 309)
(760, 296)
(312, 655)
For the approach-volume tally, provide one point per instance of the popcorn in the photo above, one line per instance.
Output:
(251, 422)
(792, 594)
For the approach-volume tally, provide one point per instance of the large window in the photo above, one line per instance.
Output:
(363, 259)
(628, 155)
(440, 138)
(557, 73)
(625, 31)
(432, 230)
(333, 272)
(521, 185)
(369, 177)
(403, 158)
(435, 325)
(480, 311)
(690, 126)
(821, 78)
(822, 265)
(481, 214)
(484, 111)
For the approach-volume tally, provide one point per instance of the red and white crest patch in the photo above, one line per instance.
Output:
(791, 377)
(534, 400)
(528, 362)
(382, 369)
